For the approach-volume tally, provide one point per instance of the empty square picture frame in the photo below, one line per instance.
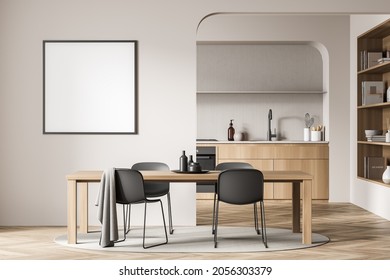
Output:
(89, 87)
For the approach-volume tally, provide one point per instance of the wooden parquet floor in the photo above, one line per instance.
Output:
(355, 235)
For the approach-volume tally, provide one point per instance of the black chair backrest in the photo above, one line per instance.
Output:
(153, 188)
(150, 166)
(240, 186)
(129, 186)
(232, 165)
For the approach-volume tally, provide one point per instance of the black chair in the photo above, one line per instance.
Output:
(156, 189)
(242, 186)
(129, 187)
(226, 166)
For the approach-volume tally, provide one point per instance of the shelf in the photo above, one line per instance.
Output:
(374, 143)
(374, 181)
(376, 105)
(264, 91)
(373, 116)
(377, 69)
(378, 32)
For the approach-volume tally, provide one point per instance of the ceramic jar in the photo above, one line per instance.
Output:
(239, 136)
(386, 175)
(306, 134)
(315, 135)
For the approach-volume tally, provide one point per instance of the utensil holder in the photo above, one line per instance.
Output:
(315, 135)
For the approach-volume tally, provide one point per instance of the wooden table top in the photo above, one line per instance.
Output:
(211, 176)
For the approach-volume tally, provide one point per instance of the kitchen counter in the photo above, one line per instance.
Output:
(311, 157)
(262, 142)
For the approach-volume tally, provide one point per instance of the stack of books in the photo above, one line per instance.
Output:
(378, 138)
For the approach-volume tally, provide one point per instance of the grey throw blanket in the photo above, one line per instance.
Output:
(106, 202)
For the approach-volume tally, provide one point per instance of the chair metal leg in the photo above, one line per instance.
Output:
(128, 215)
(170, 214)
(256, 217)
(165, 226)
(263, 226)
(215, 198)
(144, 230)
(216, 225)
(124, 224)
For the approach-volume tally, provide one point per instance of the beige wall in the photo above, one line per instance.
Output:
(251, 70)
(33, 166)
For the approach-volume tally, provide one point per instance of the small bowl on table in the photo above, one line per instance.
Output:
(194, 167)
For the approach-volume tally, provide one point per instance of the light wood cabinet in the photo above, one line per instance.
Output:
(316, 167)
(312, 158)
(372, 116)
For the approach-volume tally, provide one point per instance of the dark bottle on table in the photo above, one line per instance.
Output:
(231, 131)
(183, 162)
(190, 161)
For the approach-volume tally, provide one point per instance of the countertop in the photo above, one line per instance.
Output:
(262, 142)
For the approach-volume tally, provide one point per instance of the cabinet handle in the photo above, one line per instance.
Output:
(203, 157)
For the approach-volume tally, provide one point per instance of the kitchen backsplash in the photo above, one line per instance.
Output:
(250, 114)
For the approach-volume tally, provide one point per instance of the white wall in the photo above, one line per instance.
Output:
(330, 33)
(33, 166)
(373, 197)
(250, 114)
(258, 68)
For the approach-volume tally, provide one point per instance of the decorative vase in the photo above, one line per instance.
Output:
(306, 134)
(183, 162)
(386, 175)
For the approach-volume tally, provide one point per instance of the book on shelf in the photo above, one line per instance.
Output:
(378, 138)
(369, 59)
(372, 92)
(374, 167)
(362, 65)
(372, 58)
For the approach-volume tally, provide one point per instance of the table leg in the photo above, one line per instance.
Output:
(83, 187)
(306, 212)
(72, 212)
(296, 207)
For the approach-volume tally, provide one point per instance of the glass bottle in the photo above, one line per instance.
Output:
(231, 131)
(190, 161)
(183, 162)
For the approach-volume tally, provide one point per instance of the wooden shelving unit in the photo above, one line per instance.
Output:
(372, 116)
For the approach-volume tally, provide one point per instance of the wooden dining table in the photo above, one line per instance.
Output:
(77, 184)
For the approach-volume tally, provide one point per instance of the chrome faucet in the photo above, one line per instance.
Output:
(269, 132)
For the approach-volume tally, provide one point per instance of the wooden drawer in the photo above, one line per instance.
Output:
(302, 151)
(246, 151)
(273, 151)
